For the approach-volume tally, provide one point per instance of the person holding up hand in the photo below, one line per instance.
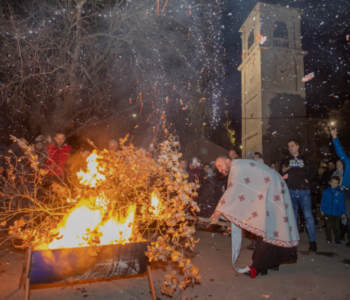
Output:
(346, 177)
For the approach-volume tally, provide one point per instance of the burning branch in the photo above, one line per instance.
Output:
(124, 197)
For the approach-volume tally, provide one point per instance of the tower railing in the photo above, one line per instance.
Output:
(279, 42)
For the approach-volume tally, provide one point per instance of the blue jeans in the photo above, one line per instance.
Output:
(303, 198)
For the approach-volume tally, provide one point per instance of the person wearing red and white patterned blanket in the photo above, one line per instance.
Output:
(257, 200)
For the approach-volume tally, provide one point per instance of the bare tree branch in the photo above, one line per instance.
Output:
(58, 58)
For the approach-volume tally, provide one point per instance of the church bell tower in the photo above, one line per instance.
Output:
(273, 93)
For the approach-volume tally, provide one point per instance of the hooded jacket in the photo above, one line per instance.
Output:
(332, 202)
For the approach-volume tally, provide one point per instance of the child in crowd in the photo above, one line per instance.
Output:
(333, 207)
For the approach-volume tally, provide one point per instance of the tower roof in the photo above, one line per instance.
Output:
(260, 5)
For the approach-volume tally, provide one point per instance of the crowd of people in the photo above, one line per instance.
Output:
(306, 186)
(315, 194)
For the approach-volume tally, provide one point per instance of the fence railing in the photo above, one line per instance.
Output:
(279, 42)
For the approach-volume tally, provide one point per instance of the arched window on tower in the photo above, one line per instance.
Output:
(251, 39)
(280, 35)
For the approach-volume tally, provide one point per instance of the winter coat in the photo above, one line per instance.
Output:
(332, 202)
(57, 158)
(346, 161)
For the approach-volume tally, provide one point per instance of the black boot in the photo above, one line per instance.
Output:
(313, 247)
(262, 272)
(275, 268)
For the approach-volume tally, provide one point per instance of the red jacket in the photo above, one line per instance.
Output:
(57, 158)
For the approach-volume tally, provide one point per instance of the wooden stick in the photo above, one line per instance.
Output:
(23, 271)
(92, 144)
(208, 220)
(149, 274)
(26, 295)
(28, 264)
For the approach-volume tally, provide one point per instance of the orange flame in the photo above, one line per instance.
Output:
(86, 223)
(155, 204)
(74, 226)
(91, 177)
(118, 229)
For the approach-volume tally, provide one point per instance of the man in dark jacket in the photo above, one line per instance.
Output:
(299, 172)
(346, 178)
(58, 153)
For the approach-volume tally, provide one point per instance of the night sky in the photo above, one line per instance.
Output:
(324, 25)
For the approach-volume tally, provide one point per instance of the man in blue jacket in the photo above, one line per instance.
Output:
(333, 208)
(346, 179)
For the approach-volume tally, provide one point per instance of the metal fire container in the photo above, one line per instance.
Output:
(76, 264)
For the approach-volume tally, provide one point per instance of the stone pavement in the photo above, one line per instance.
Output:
(321, 276)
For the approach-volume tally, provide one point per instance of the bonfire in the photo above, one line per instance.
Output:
(124, 197)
